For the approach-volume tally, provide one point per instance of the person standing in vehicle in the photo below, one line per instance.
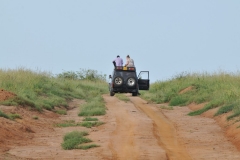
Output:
(118, 61)
(129, 62)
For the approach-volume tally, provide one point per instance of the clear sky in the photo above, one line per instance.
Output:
(165, 37)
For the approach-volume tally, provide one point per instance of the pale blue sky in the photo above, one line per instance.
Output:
(165, 37)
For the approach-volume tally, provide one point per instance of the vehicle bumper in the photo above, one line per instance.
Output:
(124, 90)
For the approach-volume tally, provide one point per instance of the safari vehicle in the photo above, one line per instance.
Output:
(125, 80)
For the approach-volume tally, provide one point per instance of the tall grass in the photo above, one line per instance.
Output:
(42, 90)
(94, 107)
(219, 89)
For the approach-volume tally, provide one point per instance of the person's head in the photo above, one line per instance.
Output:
(128, 56)
(118, 56)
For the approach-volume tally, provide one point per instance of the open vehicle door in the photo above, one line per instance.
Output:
(143, 80)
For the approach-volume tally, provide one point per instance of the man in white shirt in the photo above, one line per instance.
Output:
(129, 62)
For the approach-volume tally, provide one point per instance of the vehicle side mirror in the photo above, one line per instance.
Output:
(110, 76)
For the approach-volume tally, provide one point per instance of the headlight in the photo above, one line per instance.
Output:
(131, 82)
(118, 81)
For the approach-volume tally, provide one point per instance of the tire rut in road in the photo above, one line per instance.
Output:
(132, 136)
(163, 130)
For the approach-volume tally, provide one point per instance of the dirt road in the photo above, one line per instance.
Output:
(133, 130)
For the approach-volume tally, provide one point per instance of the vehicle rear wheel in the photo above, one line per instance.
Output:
(134, 94)
(112, 93)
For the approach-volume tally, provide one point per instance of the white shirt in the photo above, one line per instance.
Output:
(130, 62)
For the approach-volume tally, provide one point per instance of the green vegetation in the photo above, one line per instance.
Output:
(90, 119)
(94, 107)
(73, 140)
(122, 97)
(42, 90)
(14, 116)
(61, 112)
(9, 116)
(2, 114)
(72, 123)
(91, 124)
(69, 123)
(167, 107)
(35, 117)
(87, 146)
(219, 89)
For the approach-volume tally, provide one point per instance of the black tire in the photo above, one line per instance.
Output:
(134, 94)
(112, 93)
(118, 81)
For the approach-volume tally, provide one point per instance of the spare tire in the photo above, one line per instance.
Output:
(118, 81)
(131, 82)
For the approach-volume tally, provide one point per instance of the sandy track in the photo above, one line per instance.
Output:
(163, 130)
(132, 137)
(133, 130)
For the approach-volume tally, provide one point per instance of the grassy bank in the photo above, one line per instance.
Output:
(42, 90)
(218, 90)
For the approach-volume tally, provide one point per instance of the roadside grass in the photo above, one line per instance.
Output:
(84, 147)
(90, 119)
(73, 140)
(167, 107)
(10, 116)
(122, 97)
(93, 107)
(61, 112)
(35, 117)
(41, 90)
(72, 123)
(91, 124)
(14, 116)
(4, 115)
(218, 89)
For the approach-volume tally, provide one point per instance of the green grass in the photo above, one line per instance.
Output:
(94, 107)
(84, 147)
(90, 119)
(10, 116)
(61, 112)
(73, 140)
(86, 124)
(213, 104)
(91, 124)
(41, 90)
(14, 116)
(2, 114)
(180, 100)
(70, 123)
(35, 117)
(220, 90)
(122, 97)
(167, 107)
